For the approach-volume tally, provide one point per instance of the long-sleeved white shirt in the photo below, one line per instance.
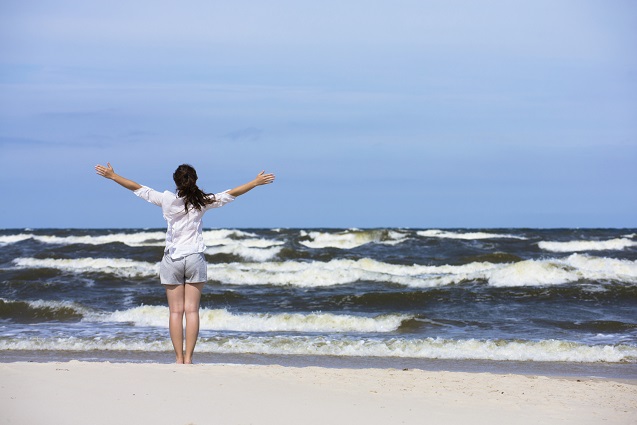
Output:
(184, 235)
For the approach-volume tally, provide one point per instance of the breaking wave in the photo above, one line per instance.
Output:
(576, 267)
(131, 239)
(578, 246)
(337, 272)
(352, 238)
(434, 233)
(427, 348)
(223, 320)
(211, 238)
(121, 267)
(40, 310)
(245, 251)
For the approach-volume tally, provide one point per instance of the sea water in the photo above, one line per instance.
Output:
(413, 297)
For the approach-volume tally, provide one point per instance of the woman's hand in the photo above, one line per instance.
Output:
(107, 171)
(263, 178)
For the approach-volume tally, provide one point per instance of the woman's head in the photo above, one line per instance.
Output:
(185, 178)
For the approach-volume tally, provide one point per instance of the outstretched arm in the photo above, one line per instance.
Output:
(261, 179)
(109, 173)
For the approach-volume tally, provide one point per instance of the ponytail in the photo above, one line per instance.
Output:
(185, 178)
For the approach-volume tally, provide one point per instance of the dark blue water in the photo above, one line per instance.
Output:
(516, 295)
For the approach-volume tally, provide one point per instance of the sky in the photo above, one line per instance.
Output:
(419, 114)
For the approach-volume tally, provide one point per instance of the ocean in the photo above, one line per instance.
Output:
(560, 301)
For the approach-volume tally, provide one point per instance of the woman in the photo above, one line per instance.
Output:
(183, 269)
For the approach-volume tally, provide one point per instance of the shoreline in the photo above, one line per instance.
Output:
(614, 371)
(77, 392)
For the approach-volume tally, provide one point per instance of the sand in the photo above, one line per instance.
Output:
(105, 393)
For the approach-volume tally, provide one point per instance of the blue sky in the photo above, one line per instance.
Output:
(421, 114)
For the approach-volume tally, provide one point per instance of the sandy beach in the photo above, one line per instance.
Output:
(127, 393)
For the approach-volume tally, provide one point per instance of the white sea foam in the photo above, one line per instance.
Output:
(435, 233)
(97, 343)
(352, 238)
(228, 237)
(576, 267)
(532, 273)
(52, 305)
(9, 239)
(246, 251)
(606, 269)
(121, 267)
(130, 239)
(240, 243)
(337, 272)
(223, 320)
(428, 348)
(236, 242)
(311, 274)
(578, 246)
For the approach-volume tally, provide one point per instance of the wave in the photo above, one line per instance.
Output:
(246, 251)
(131, 239)
(434, 233)
(427, 348)
(578, 246)
(237, 237)
(210, 319)
(574, 268)
(577, 267)
(337, 272)
(40, 310)
(9, 239)
(350, 239)
(223, 320)
(211, 238)
(120, 267)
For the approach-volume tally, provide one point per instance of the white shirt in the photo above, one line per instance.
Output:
(184, 235)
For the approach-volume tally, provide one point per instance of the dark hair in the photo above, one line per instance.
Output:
(185, 178)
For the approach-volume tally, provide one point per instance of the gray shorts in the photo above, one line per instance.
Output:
(189, 269)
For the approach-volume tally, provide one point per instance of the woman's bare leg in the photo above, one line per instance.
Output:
(191, 307)
(175, 295)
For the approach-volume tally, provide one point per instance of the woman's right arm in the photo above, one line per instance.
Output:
(109, 173)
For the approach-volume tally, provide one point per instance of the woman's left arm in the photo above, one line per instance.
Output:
(260, 180)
